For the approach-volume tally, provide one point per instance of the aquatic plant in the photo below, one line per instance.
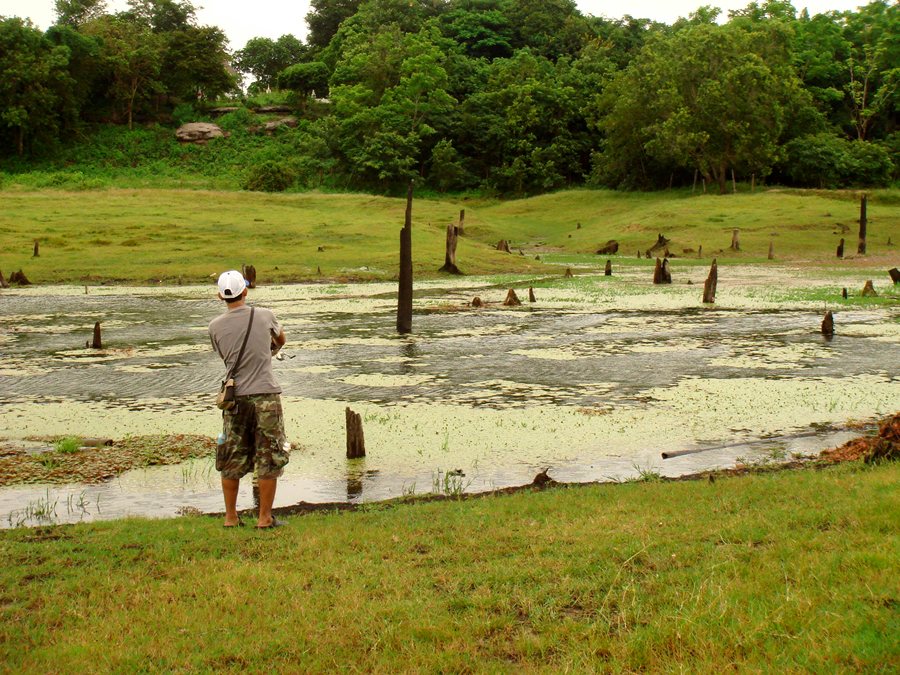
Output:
(68, 445)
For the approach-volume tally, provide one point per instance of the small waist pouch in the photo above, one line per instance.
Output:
(225, 399)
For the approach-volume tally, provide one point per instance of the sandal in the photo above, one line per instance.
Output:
(275, 523)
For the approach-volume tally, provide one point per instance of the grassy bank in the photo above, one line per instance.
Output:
(144, 236)
(793, 570)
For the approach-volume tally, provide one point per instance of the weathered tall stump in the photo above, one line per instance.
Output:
(97, 342)
(356, 442)
(19, 278)
(503, 245)
(844, 293)
(450, 251)
(531, 297)
(37, 249)
(405, 286)
(840, 249)
(249, 272)
(828, 324)
(607, 271)
(735, 240)
(462, 222)
(863, 221)
(700, 251)
(568, 274)
(476, 302)
(709, 288)
(868, 290)
(512, 300)
(894, 272)
(666, 272)
(771, 250)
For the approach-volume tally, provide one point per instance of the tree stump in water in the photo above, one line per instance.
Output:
(709, 288)
(3, 283)
(840, 249)
(661, 273)
(503, 245)
(828, 324)
(894, 272)
(476, 302)
(661, 243)
(607, 271)
(356, 442)
(868, 290)
(512, 300)
(450, 251)
(666, 273)
(531, 297)
(405, 283)
(19, 278)
(735, 240)
(568, 274)
(97, 342)
(844, 294)
(37, 253)
(249, 272)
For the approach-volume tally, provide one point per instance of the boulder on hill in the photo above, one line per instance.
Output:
(199, 132)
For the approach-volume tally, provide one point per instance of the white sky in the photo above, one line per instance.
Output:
(242, 20)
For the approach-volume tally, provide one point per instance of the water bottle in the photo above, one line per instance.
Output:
(220, 439)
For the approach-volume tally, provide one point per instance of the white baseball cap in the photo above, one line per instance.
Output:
(231, 284)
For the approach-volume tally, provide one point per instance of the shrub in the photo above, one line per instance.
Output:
(269, 176)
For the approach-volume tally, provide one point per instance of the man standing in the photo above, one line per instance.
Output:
(254, 427)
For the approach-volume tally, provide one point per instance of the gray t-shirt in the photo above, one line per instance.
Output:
(226, 331)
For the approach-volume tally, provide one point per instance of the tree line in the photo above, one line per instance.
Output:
(507, 96)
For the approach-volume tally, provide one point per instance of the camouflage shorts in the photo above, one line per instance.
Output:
(254, 438)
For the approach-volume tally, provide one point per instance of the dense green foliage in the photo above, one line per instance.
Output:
(504, 97)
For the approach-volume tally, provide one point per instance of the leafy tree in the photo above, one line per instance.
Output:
(264, 59)
(551, 28)
(325, 17)
(74, 13)
(305, 78)
(35, 83)
(480, 27)
(133, 55)
(162, 16)
(195, 63)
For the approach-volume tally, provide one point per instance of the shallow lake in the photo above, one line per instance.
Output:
(594, 381)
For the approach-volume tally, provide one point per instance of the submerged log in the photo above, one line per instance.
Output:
(828, 324)
(868, 290)
(356, 442)
(97, 342)
(612, 246)
(450, 251)
(607, 271)
(840, 249)
(503, 245)
(709, 288)
(512, 300)
(894, 272)
(531, 297)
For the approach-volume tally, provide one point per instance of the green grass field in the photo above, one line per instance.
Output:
(145, 236)
(788, 571)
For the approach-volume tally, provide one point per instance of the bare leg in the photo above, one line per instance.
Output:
(266, 498)
(230, 490)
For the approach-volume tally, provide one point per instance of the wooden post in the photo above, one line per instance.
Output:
(97, 342)
(733, 183)
(657, 272)
(844, 293)
(37, 253)
(771, 250)
(861, 249)
(840, 249)
(704, 185)
(450, 251)
(608, 270)
(404, 294)
(752, 182)
(735, 240)
(512, 300)
(709, 288)
(3, 283)
(700, 251)
(462, 221)
(694, 186)
(828, 324)
(356, 442)
(531, 297)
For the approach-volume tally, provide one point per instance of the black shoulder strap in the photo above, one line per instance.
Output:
(237, 363)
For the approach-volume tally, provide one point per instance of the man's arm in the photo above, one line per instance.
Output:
(278, 342)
